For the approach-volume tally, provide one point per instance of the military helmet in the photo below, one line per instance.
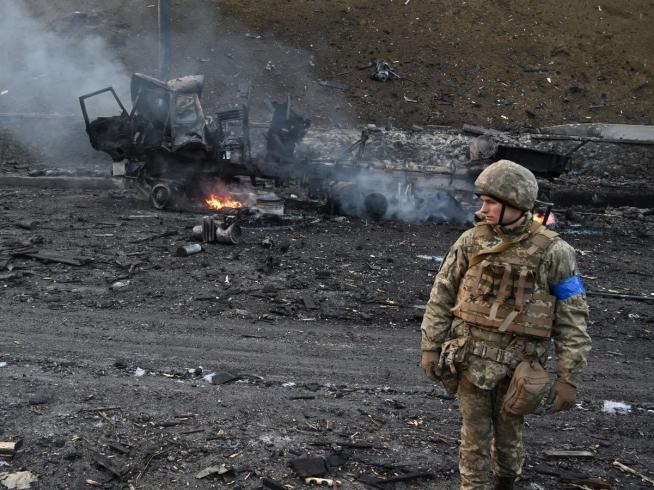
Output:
(509, 183)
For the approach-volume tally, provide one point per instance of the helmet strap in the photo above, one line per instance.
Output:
(499, 221)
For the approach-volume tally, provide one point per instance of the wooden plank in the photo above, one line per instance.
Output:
(9, 448)
(53, 257)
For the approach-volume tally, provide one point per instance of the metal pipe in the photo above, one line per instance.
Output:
(190, 249)
(165, 47)
(215, 231)
(231, 234)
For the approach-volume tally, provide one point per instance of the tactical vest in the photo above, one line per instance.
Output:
(500, 290)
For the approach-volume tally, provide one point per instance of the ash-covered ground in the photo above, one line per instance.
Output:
(123, 365)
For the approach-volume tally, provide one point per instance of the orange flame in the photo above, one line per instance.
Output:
(217, 202)
(539, 217)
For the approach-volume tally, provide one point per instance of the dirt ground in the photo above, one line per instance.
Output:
(320, 332)
(132, 367)
(512, 64)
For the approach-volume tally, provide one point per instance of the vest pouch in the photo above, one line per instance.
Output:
(489, 279)
(453, 354)
(450, 381)
(529, 385)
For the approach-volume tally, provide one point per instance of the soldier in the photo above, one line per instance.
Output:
(506, 288)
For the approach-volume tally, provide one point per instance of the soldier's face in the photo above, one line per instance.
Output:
(492, 209)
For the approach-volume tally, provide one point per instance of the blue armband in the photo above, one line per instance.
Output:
(569, 287)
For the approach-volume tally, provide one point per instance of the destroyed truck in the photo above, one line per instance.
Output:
(174, 152)
(170, 145)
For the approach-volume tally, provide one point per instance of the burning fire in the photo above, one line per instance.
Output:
(218, 202)
(539, 217)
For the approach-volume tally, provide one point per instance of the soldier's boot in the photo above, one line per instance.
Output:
(504, 483)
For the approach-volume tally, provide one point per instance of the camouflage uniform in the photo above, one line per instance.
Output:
(486, 356)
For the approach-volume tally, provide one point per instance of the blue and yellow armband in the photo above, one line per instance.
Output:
(568, 288)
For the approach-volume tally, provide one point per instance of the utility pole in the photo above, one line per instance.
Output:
(165, 48)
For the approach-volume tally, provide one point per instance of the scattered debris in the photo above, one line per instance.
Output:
(309, 466)
(117, 285)
(27, 224)
(573, 477)
(20, 480)
(220, 378)
(212, 470)
(626, 469)
(270, 205)
(382, 71)
(272, 484)
(50, 256)
(382, 482)
(337, 85)
(39, 399)
(190, 249)
(213, 230)
(139, 372)
(8, 449)
(555, 453)
(633, 297)
(320, 481)
(431, 258)
(110, 464)
(616, 408)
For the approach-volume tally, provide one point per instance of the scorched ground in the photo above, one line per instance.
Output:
(319, 332)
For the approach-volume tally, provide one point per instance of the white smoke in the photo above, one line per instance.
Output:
(44, 67)
(391, 195)
(43, 71)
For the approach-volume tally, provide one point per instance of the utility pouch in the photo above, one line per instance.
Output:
(450, 381)
(529, 385)
(453, 354)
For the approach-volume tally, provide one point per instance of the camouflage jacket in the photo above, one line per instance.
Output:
(569, 335)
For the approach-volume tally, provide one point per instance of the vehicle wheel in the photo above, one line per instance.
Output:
(160, 196)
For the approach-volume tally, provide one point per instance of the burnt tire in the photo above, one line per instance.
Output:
(160, 196)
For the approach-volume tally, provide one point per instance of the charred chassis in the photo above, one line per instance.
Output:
(170, 144)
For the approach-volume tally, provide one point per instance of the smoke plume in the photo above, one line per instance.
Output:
(44, 71)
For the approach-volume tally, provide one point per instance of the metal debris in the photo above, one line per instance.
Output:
(382, 71)
(190, 249)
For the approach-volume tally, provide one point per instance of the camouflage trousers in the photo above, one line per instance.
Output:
(490, 439)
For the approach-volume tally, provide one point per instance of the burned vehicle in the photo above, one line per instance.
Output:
(177, 155)
(170, 145)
